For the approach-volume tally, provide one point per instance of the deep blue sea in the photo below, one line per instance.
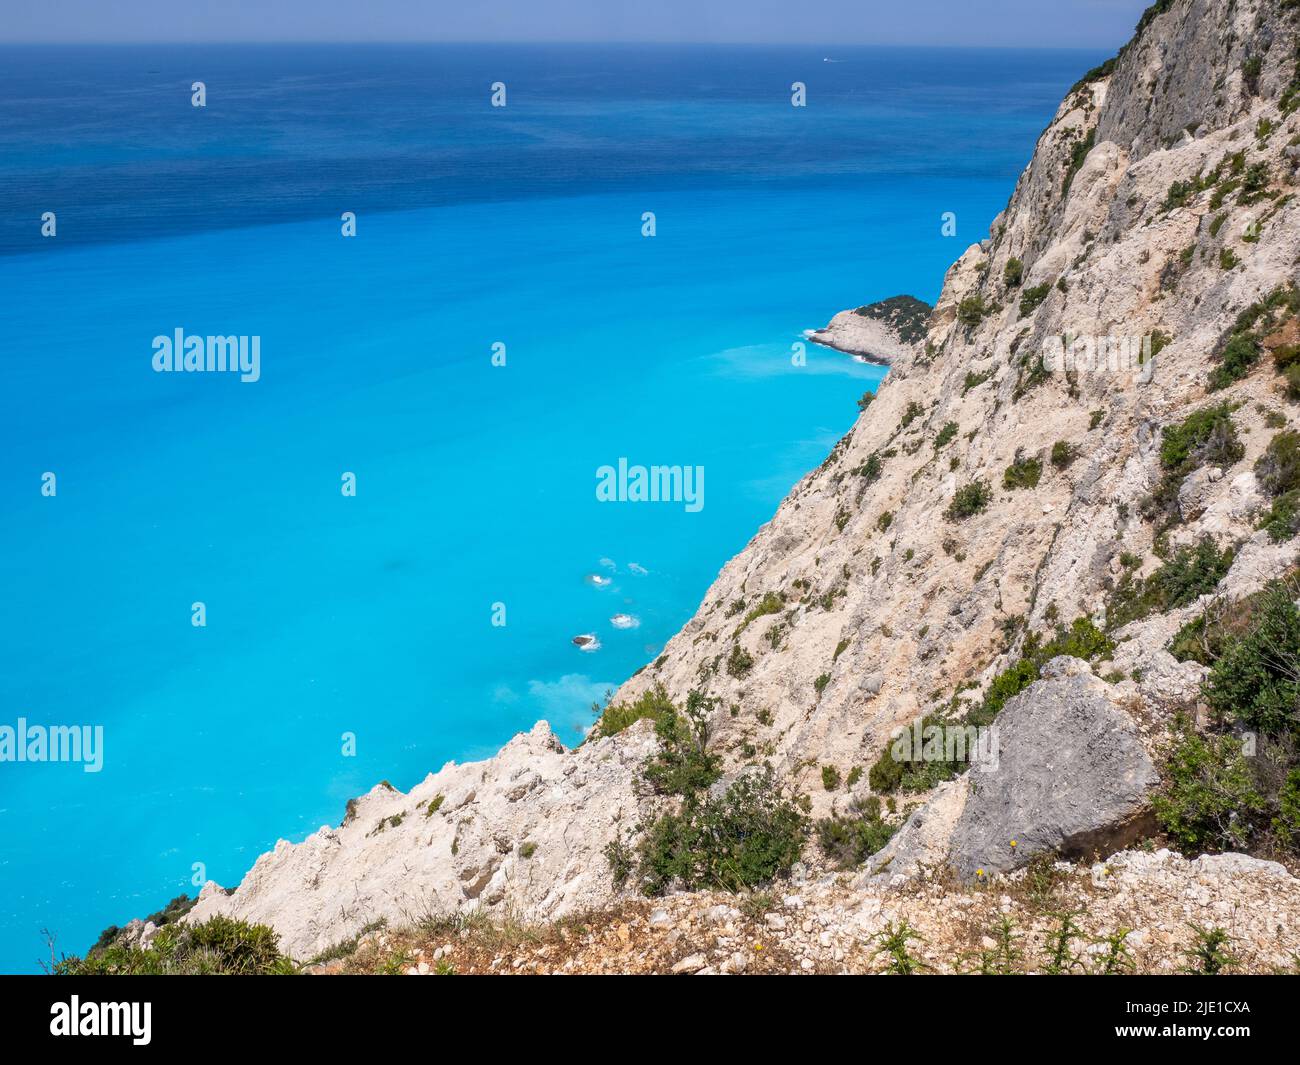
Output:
(522, 226)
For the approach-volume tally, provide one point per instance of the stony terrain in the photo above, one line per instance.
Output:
(1137, 912)
(1158, 206)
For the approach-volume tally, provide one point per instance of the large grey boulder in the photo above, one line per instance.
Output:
(1072, 776)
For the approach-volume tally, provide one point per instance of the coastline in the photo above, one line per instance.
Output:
(821, 338)
(878, 333)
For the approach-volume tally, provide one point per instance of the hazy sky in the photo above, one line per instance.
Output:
(1051, 23)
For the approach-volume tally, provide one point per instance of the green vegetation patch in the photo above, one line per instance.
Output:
(1191, 573)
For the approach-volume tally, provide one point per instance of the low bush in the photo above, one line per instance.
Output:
(653, 704)
(915, 774)
(972, 310)
(1291, 377)
(1031, 297)
(1191, 572)
(847, 842)
(219, 946)
(771, 603)
(1278, 469)
(739, 662)
(742, 839)
(1205, 437)
(1211, 801)
(1022, 473)
(1256, 678)
(1242, 347)
(969, 500)
(1282, 520)
(1063, 454)
(1081, 640)
(683, 764)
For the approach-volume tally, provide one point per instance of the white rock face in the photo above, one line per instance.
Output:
(900, 606)
(869, 339)
(523, 832)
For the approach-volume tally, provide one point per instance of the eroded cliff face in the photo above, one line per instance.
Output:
(896, 605)
(1158, 204)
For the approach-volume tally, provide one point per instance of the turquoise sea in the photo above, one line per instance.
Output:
(522, 226)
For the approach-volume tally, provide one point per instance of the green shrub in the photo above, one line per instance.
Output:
(1235, 360)
(1255, 180)
(1205, 437)
(771, 603)
(1278, 469)
(847, 842)
(972, 310)
(683, 764)
(830, 778)
(885, 521)
(1210, 796)
(1063, 454)
(890, 773)
(653, 703)
(1007, 684)
(217, 946)
(866, 399)
(1081, 640)
(1077, 157)
(1022, 473)
(969, 500)
(974, 380)
(742, 839)
(1256, 679)
(1241, 350)
(1292, 378)
(1282, 520)
(1286, 356)
(1250, 71)
(739, 661)
(1184, 578)
(1031, 297)
(871, 470)
(914, 410)
(1013, 273)
(945, 436)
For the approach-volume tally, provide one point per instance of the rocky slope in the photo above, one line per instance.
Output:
(1135, 913)
(1158, 204)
